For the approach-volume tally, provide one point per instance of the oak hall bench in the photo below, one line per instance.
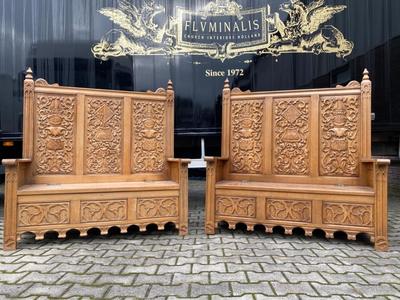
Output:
(94, 159)
(299, 158)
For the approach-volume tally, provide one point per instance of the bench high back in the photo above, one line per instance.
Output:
(80, 135)
(300, 136)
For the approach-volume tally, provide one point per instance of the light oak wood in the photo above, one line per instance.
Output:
(299, 158)
(94, 159)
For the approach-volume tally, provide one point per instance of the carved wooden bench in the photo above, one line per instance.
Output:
(94, 159)
(299, 159)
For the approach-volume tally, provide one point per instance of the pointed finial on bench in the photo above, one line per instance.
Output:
(29, 74)
(226, 84)
(170, 85)
(366, 74)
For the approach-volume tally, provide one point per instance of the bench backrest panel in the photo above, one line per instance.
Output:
(305, 136)
(89, 135)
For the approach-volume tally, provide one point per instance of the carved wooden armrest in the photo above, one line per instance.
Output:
(15, 170)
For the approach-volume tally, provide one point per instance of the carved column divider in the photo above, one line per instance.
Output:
(381, 213)
(268, 132)
(226, 117)
(127, 136)
(29, 94)
(314, 132)
(366, 89)
(80, 134)
(10, 206)
(170, 120)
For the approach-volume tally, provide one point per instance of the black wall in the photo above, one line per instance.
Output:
(55, 39)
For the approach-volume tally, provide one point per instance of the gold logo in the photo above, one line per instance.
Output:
(223, 29)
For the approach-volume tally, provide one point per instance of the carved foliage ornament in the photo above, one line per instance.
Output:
(43, 214)
(247, 144)
(55, 121)
(288, 210)
(292, 136)
(348, 214)
(340, 118)
(157, 207)
(149, 137)
(103, 211)
(236, 206)
(104, 136)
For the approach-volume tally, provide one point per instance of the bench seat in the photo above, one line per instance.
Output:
(109, 187)
(295, 188)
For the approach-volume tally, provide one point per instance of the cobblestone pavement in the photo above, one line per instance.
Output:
(228, 265)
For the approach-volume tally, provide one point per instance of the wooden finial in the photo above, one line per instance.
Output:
(29, 74)
(366, 74)
(226, 84)
(170, 85)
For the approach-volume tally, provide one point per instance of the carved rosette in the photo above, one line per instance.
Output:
(247, 144)
(291, 137)
(348, 214)
(157, 207)
(236, 206)
(340, 118)
(148, 148)
(55, 126)
(288, 210)
(104, 136)
(43, 214)
(103, 211)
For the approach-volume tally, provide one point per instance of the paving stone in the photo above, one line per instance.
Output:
(387, 269)
(11, 278)
(192, 260)
(96, 260)
(228, 277)
(32, 267)
(96, 292)
(261, 287)
(298, 288)
(127, 291)
(383, 278)
(174, 269)
(288, 297)
(105, 269)
(271, 267)
(273, 276)
(187, 253)
(36, 259)
(65, 267)
(300, 277)
(255, 267)
(201, 278)
(14, 290)
(111, 279)
(343, 278)
(78, 278)
(221, 289)
(63, 259)
(181, 290)
(47, 278)
(198, 268)
(160, 261)
(40, 289)
(139, 269)
(136, 261)
(10, 267)
(243, 297)
(258, 259)
(346, 269)
(164, 279)
(339, 289)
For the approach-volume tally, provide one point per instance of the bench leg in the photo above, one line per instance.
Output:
(10, 243)
(381, 244)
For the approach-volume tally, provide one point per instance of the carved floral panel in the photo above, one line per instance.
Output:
(157, 207)
(103, 211)
(247, 144)
(104, 136)
(339, 149)
(348, 214)
(43, 214)
(55, 121)
(291, 141)
(236, 206)
(148, 149)
(289, 210)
